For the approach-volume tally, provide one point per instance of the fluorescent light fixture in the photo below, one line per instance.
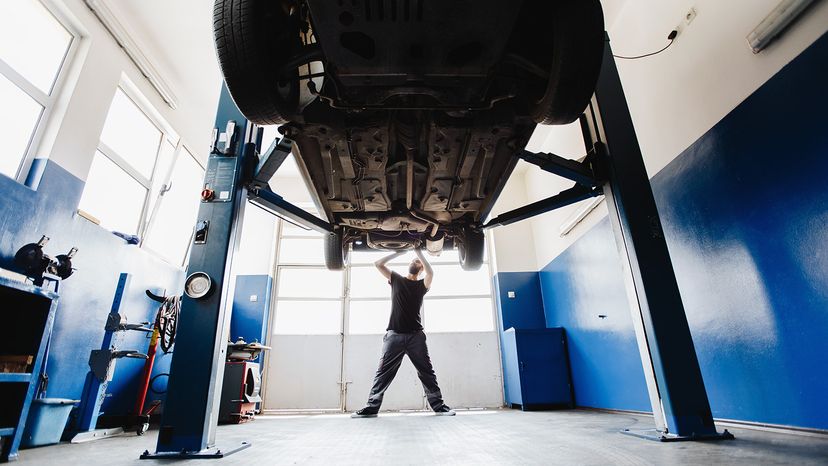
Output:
(773, 24)
(574, 220)
(133, 51)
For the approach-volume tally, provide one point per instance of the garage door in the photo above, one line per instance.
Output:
(328, 327)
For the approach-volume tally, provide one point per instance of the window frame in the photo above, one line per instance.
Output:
(151, 216)
(168, 135)
(59, 85)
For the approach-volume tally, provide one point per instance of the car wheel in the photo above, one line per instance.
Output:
(253, 38)
(336, 252)
(577, 48)
(470, 248)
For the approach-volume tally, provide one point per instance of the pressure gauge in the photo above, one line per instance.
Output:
(198, 285)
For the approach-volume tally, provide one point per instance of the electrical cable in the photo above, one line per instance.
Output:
(671, 37)
(167, 321)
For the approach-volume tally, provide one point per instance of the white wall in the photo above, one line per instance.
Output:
(678, 96)
(513, 249)
(674, 97)
(74, 130)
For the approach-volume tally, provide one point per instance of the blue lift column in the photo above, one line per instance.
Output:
(188, 425)
(674, 379)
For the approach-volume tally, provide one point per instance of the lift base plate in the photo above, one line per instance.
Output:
(658, 436)
(210, 453)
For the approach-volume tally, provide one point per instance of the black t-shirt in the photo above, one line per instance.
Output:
(406, 300)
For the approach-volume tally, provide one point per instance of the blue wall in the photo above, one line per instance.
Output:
(249, 320)
(524, 311)
(745, 212)
(580, 285)
(86, 297)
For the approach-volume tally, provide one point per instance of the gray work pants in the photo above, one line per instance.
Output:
(394, 347)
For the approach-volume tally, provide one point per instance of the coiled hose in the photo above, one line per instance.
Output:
(167, 322)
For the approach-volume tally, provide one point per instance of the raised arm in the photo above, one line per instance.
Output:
(380, 264)
(429, 272)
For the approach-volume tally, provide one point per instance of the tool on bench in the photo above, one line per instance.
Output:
(37, 265)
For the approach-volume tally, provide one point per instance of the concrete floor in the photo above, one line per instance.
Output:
(473, 437)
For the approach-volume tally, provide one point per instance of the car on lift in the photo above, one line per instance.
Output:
(407, 115)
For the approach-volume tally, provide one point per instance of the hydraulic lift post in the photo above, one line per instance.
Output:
(235, 175)
(678, 397)
(615, 168)
(190, 417)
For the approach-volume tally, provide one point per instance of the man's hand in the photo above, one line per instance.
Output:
(380, 264)
(429, 272)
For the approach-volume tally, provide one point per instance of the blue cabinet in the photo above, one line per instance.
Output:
(28, 313)
(536, 369)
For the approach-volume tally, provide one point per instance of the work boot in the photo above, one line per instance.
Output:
(444, 411)
(365, 412)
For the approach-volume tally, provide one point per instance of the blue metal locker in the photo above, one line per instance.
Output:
(536, 370)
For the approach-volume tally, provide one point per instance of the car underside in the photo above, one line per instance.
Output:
(407, 115)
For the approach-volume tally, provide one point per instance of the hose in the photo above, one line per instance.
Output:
(152, 381)
(167, 322)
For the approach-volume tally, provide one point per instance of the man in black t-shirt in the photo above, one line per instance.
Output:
(405, 335)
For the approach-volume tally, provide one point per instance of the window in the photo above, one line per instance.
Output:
(310, 300)
(308, 317)
(318, 282)
(129, 135)
(34, 49)
(122, 168)
(452, 314)
(302, 251)
(143, 180)
(113, 196)
(369, 317)
(171, 227)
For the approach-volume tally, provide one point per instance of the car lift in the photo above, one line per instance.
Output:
(613, 167)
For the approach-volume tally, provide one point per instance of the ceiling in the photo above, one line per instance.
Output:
(177, 37)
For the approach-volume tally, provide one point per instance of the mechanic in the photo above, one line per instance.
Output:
(405, 335)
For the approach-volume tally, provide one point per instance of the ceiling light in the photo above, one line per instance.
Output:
(776, 22)
(133, 51)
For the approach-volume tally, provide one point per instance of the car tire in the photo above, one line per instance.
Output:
(253, 37)
(577, 48)
(336, 252)
(470, 248)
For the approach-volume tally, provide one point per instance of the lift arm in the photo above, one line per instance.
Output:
(260, 194)
(572, 195)
(270, 161)
(579, 172)
(275, 204)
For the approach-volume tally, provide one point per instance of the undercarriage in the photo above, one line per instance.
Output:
(408, 115)
(400, 178)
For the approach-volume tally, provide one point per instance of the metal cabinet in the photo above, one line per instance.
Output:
(28, 313)
(536, 369)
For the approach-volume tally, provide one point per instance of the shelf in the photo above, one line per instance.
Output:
(15, 377)
(6, 431)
